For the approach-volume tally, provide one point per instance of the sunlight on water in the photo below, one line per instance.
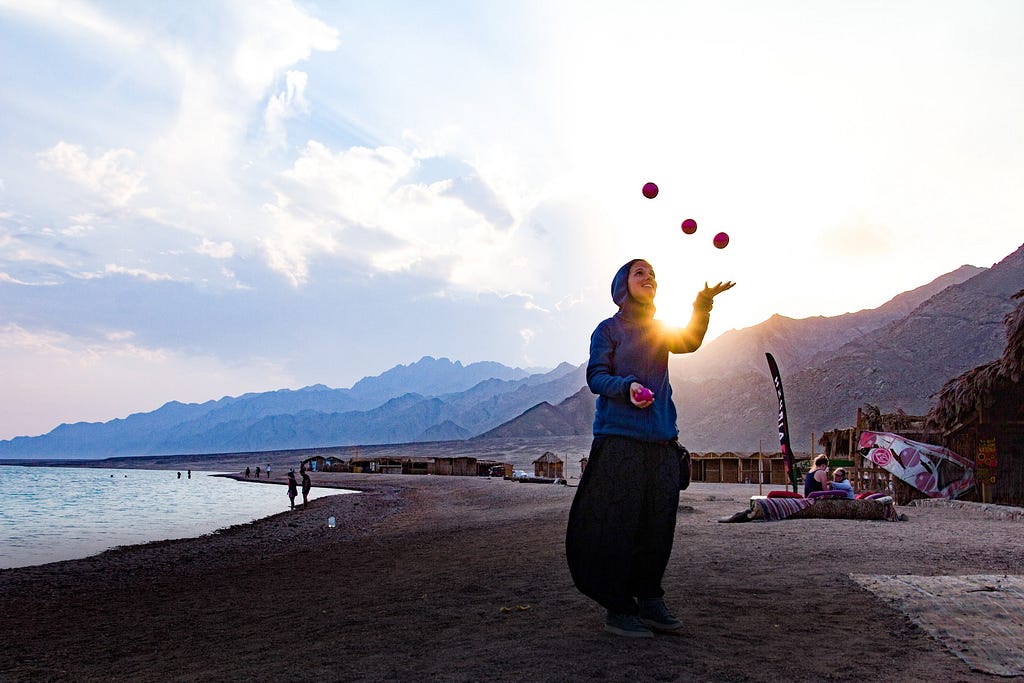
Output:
(61, 513)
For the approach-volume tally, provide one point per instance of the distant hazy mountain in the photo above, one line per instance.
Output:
(572, 417)
(895, 357)
(427, 400)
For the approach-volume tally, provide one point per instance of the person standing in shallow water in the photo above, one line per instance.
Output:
(623, 516)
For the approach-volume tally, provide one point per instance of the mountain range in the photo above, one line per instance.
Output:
(894, 357)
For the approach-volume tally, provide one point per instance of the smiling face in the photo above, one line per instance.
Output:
(641, 283)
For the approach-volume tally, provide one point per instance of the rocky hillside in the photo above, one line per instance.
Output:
(895, 357)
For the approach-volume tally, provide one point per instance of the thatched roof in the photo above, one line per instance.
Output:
(548, 457)
(877, 421)
(962, 396)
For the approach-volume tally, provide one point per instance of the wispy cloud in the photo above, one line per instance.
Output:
(285, 105)
(114, 269)
(113, 174)
(217, 250)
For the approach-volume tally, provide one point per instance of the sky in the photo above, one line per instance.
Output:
(204, 198)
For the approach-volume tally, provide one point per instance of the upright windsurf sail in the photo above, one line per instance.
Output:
(787, 451)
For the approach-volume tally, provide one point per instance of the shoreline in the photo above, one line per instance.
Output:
(81, 544)
(463, 578)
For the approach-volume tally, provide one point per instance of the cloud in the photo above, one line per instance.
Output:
(283, 106)
(5, 277)
(217, 250)
(274, 35)
(113, 269)
(369, 205)
(111, 175)
(80, 16)
(81, 225)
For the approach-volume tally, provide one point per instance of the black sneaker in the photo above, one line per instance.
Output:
(655, 615)
(628, 625)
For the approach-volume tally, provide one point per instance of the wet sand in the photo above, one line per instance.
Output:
(464, 579)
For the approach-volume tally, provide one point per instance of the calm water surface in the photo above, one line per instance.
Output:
(61, 513)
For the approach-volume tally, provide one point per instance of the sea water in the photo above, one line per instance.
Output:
(49, 514)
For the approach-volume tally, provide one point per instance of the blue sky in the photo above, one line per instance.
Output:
(201, 199)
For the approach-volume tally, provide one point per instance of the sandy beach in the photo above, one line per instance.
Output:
(464, 579)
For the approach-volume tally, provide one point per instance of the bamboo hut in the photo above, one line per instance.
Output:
(548, 465)
(315, 463)
(333, 463)
(376, 464)
(733, 468)
(981, 415)
(459, 466)
(416, 465)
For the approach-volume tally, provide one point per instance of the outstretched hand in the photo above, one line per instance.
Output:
(712, 292)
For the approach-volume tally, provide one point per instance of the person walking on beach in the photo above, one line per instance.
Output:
(623, 516)
(293, 488)
(268, 470)
(306, 486)
(248, 472)
(257, 471)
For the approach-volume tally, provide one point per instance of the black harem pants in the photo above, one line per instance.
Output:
(622, 521)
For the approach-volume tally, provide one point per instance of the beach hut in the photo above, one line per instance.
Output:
(315, 463)
(733, 468)
(460, 466)
(981, 415)
(333, 463)
(376, 464)
(416, 465)
(706, 467)
(548, 465)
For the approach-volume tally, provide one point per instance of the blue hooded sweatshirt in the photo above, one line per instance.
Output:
(632, 346)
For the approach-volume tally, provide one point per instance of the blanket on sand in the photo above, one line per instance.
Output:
(775, 509)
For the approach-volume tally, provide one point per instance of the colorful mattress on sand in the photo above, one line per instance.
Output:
(775, 509)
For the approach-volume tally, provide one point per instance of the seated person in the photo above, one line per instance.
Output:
(841, 483)
(817, 478)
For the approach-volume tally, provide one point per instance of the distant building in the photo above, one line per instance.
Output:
(548, 465)
(455, 466)
(316, 463)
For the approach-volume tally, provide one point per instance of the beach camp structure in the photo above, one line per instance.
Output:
(548, 465)
(842, 446)
(736, 468)
(462, 466)
(981, 416)
(325, 463)
(316, 463)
